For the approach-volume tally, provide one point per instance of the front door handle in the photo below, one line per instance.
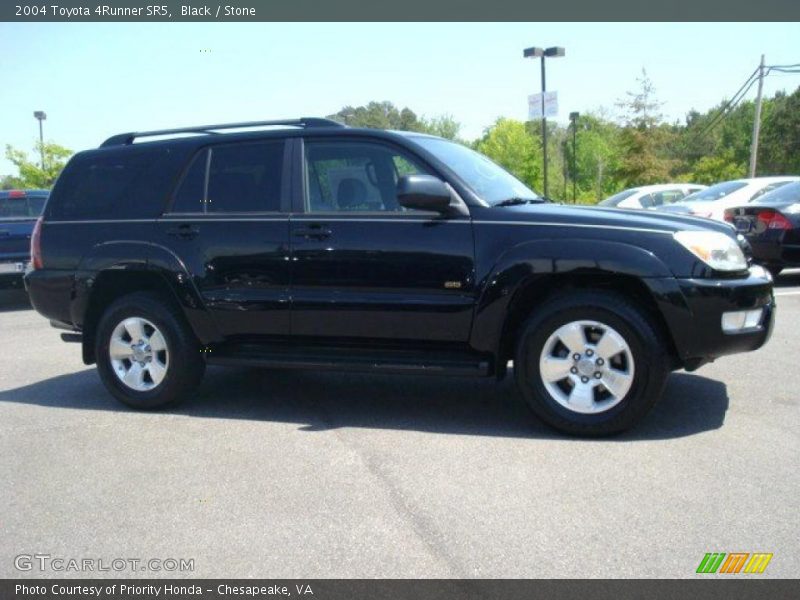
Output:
(314, 232)
(184, 231)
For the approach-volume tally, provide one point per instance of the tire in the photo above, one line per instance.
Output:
(173, 365)
(580, 403)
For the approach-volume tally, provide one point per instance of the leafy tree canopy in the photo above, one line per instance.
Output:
(30, 174)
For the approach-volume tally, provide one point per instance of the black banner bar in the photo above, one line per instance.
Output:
(732, 588)
(408, 10)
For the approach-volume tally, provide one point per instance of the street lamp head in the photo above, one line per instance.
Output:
(554, 51)
(40, 114)
(532, 52)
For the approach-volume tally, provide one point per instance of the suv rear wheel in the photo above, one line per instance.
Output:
(147, 355)
(590, 363)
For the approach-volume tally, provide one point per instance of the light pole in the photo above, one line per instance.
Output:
(543, 53)
(41, 116)
(573, 116)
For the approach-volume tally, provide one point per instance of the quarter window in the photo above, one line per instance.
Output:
(105, 186)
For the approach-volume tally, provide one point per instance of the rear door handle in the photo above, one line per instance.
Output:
(313, 232)
(184, 231)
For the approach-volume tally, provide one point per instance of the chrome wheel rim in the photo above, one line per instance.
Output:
(587, 367)
(138, 353)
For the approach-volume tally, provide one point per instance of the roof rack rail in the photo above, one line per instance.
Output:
(123, 139)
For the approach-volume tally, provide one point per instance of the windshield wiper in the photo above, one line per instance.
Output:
(518, 201)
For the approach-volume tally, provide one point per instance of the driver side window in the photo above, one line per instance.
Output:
(353, 176)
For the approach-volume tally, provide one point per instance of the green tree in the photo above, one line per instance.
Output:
(444, 126)
(30, 173)
(510, 144)
(598, 155)
(379, 115)
(385, 115)
(779, 152)
(717, 167)
(643, 139)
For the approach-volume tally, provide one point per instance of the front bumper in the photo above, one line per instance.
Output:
(693, 310)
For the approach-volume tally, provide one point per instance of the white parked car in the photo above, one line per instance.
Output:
(712, 201)
(651, 196)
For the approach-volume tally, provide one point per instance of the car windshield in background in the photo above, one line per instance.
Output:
(785, 194)
(21, 207)
(617, 198)
(715, 192)
(488, 180)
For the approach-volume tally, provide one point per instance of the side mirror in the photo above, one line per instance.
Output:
(423, 192)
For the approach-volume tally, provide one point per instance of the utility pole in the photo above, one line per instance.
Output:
(573, 116)
(756, 122)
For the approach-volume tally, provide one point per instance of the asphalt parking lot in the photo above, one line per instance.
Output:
(287, 474)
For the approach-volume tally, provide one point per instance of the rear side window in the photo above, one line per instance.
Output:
(233, 178)
(191, 194)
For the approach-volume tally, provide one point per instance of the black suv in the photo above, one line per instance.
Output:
(307, 244)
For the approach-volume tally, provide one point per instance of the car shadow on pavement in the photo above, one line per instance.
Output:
(14, 299)
(789, 278)
(325, 401)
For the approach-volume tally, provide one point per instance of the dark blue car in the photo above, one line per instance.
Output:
(19, 210)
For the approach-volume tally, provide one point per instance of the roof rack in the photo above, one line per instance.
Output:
(123, 139)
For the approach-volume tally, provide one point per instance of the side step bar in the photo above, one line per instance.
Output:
(349, 359)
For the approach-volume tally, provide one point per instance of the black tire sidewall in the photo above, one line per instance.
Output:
(180, 366)
(650, 369)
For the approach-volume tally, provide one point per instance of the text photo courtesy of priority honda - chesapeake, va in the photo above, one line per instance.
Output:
(393, 309)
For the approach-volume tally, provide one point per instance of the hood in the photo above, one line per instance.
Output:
(611, 217)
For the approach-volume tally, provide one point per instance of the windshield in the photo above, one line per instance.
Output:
(715, 192)
(785, 194)
(487, 179)
(617, 198)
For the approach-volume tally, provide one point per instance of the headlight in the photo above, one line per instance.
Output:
(717, 250)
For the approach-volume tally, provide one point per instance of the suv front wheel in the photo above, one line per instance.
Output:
(590, 363)
(147, 355)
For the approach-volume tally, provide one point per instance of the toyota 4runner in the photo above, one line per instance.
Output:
(306, 244)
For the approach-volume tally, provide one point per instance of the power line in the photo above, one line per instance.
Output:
(730, 105)
(742, 92)
(782, 70)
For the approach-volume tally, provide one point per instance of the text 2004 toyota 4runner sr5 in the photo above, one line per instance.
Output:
(311, 245)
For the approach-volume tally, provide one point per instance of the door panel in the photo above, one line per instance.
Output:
(363, 267)
(228, 227)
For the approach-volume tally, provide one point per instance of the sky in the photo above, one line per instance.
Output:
(97, 79)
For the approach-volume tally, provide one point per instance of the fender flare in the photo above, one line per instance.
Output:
(147, 257)
(525, 262)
